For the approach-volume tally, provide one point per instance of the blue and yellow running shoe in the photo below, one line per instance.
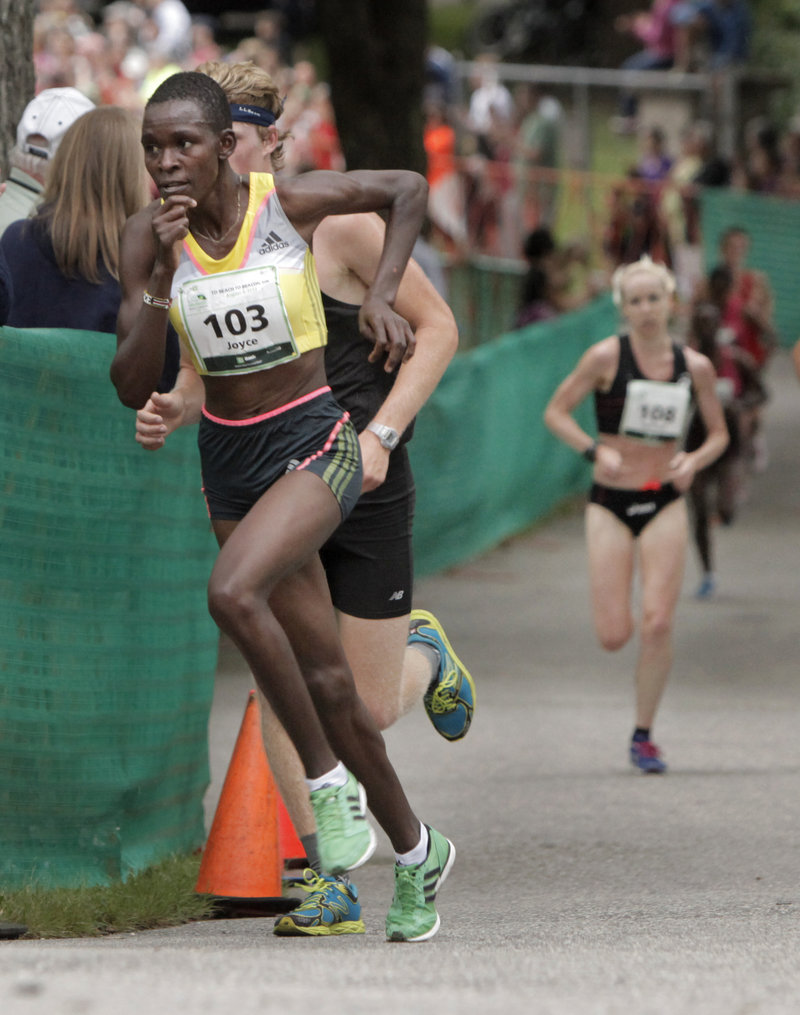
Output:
(450, 698)
(412, 915)
(331, 907)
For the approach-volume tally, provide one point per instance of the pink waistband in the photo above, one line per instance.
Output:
(267, 415)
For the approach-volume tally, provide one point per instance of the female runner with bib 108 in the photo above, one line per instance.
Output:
(645, 388)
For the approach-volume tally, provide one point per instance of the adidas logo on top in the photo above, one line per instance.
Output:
(272, 243)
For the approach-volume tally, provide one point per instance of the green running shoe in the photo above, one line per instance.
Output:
(450, 698)
(331, 907)
(412, 915)
(345, 837)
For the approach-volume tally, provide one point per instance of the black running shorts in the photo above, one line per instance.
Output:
(369, 559)
(634, 508)
(241, 459)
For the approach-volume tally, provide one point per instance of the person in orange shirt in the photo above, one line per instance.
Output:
(446, 193)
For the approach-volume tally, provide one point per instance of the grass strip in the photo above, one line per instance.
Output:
(161, 896)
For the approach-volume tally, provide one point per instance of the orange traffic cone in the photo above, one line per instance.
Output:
(292, 849)
(241, 864)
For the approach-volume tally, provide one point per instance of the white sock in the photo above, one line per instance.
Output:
(336, 777)
(432, 655)
(417, 854)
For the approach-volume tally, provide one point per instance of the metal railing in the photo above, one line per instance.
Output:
(719, 95)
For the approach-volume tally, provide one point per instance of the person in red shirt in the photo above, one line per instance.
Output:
(749, 313)
(749, 308)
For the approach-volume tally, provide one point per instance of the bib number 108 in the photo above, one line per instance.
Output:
(658, 413)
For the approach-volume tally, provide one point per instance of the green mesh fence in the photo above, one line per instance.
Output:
(484, 295)
(485, 466)
(107, 652)
(774, 228)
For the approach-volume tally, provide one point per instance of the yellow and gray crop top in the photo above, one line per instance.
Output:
(257, 307)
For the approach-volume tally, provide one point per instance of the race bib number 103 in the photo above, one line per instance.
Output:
(236, 321)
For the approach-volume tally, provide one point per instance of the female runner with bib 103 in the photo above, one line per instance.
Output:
(227, 258)
(645, 388)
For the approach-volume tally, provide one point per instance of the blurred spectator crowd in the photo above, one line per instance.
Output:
(497, 166)
(121, 54)
(496, 153)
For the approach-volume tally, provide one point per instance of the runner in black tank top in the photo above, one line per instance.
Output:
(643, 385)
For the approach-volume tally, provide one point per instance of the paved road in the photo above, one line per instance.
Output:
(580, 887)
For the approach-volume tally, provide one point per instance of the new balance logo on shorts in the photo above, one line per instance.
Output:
(272, 243)
(395, 597)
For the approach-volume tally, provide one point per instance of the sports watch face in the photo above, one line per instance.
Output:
(388, 437)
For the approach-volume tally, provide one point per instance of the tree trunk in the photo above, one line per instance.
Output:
(17, 81)
(376, 55)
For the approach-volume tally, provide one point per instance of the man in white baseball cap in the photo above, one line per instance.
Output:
(44, 122)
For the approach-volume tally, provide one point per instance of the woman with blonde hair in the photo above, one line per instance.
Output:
(64, 259)
(645, 388)
(241, 81)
